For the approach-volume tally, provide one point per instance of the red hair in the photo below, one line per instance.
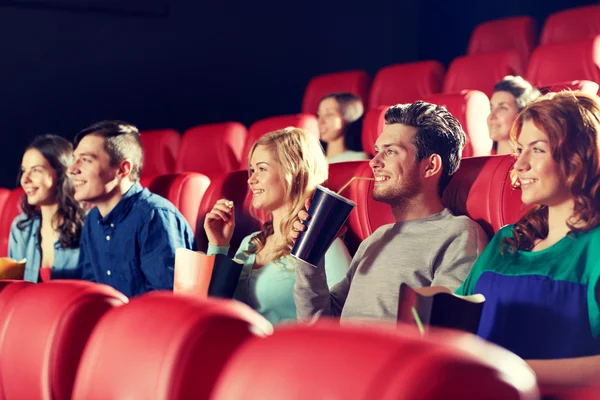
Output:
(571, 119)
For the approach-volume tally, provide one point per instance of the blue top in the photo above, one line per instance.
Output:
(542, 304)
(269, 289)
(25, 244)
(133, 248)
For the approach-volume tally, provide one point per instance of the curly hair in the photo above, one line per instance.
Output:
(69, 217)
(303, 167)
(571, 119)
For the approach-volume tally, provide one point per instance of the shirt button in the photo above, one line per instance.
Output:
(112, 225)
(108, 272)
(107, 237)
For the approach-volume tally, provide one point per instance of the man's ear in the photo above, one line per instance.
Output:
(124, 169)
(432, 166)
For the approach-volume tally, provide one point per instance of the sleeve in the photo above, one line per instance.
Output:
(17, 248)
(161, 234)
(337, 262)
(483, 262)
(240, 254)
(457, 256)
(312, 295)
(594, 289)
(85, 266)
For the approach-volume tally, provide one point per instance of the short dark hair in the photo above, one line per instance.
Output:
(438, 132)
(523, 92)
(352, 110)
(122, 143)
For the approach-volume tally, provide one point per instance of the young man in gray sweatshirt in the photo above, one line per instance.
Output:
(416, 154)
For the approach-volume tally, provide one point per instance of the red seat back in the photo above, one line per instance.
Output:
(307, 122)
(373, 125)
(232, 186)
(212, 149)
(406, 83)
(160, 151)
(10, 210)
(481, 189)
(587, 87)
(44, 330)
(184, 190)
(360, 362)
(355, 82)
(164, 347)
(481, 72)
(572, 24)
(471, 108)
(565, 62)
(514, 33)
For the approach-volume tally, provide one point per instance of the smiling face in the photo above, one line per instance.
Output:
(331, 121)
(394, 166)
(540, 176)
(265, 180)
(38, 178)
(503, 113)
(93, 176)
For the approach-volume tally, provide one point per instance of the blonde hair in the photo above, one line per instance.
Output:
(302, 167)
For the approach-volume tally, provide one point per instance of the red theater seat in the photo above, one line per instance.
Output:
(565, 62)
(326, 361)
(160, 151)
(355, 82)
(572, 24)
(480, 189)
(373, 124)
(588, 87)
(405, 83)
(162, 346)
(10, 210)
(212, 149)
(514, 33)
(308, 122)
(471, 108)
(481, 72)
(234, 187)
(44, 330)
(184, 190)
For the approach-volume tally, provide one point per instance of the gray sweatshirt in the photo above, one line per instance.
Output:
(435, 251)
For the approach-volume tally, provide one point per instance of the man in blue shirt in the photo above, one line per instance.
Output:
(130, 236)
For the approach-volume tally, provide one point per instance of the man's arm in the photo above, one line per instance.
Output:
(160, 235)
(457, 256)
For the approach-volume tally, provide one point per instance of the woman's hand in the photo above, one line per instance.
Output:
(220, 223)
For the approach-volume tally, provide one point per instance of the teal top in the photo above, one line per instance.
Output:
(269, 290)
(541, 304)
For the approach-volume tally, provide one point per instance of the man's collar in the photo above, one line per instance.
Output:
(123, 207)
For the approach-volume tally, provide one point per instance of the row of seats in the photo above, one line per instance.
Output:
(214, 149)
(567, 51)
(480, 189)
(80, 340)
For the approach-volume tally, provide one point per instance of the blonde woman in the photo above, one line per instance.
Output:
(285, 167)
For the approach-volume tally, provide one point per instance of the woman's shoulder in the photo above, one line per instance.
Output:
(21, 218)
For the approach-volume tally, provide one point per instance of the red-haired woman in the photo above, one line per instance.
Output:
(540, 276)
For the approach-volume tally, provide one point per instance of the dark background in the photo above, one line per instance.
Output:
(180, 63)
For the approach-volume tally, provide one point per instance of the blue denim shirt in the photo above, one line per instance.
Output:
(25, 244)
(133, 247)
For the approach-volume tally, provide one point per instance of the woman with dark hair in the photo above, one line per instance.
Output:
(541, 275)
(47, 233)
(511, 95)
(340, 118)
